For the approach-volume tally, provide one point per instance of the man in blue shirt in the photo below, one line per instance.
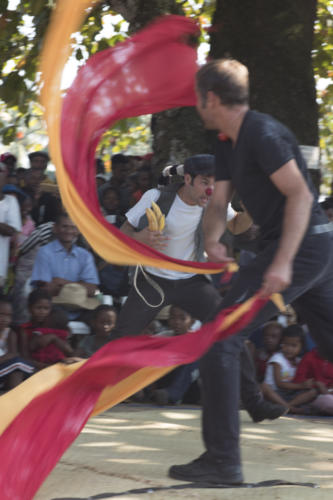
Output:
(61, 261)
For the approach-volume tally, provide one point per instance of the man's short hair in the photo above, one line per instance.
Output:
(227, 78)
(36, 154)
(200, 165)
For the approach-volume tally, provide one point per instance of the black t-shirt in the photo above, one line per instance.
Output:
(263, 146)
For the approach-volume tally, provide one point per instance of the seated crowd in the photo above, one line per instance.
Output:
(59, 300)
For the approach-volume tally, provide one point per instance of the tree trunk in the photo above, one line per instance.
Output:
(274, 39)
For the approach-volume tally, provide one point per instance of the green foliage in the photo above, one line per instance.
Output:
(323, 69)
(22, 32)
(131, 135)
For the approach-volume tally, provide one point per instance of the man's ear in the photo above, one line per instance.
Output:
(212, 99)
(187, 179)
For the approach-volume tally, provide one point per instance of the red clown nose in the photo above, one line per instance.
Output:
(209, 191)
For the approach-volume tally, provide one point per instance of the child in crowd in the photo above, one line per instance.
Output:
(182, 383)
(113, 278)
(110, 206)
(28, 224)
(102, 323)
(47, 342)
(10, 224)
(14, 272)
(314, 367)
(13, 368)
(278, 385)
(271, 338)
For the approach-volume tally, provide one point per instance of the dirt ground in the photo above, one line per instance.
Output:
(125, 453)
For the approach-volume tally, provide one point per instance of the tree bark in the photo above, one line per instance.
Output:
(274, 39)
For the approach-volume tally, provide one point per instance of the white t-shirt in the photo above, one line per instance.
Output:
(9, 214)
(288, 370)
(180, 226)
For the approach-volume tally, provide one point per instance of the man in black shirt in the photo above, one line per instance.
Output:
(260, 159)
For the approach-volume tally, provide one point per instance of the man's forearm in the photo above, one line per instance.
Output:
(129, 230)
(295, 222)
(214, 222)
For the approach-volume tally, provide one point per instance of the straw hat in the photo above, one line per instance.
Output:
(74, 295)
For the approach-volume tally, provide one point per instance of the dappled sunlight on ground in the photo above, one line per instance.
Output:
(177, 415)
(130, 448)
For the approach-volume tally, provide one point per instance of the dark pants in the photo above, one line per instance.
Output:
(200, 299)
(311, 294)
(195, 295)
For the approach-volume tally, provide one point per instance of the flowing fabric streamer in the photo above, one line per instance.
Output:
(152, 71)
(38, 435)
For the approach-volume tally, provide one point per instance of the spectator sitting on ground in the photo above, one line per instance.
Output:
(28, 224)
(315, 367)
(38, 161)
(110, 203)
(62, 262)
(176, 386)
(278, 385)
(10, 223)
(17, 240)
(12, 179)
(114, 279)
(119, 173)
(47, 331)
(101, 176)
(144, 181)
(271, 338)
(20, 175)
(27, 252)
(102, 322)
(13, 368)
(10, 161)
(101, 179)
(100, 167)
(46, 206)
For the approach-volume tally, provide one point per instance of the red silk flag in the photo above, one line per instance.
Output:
(151, 71)
(36, 438)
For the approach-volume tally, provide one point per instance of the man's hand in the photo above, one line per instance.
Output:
(59, 281)
(276, 279)
(217, 252)
(154, 239)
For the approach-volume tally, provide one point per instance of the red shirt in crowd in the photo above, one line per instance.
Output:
(50, 353)
(314, 366)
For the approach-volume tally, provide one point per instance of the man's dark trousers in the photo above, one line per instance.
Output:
(311, 294)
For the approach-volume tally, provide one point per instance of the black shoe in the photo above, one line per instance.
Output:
(203, 470)
(266, 410)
